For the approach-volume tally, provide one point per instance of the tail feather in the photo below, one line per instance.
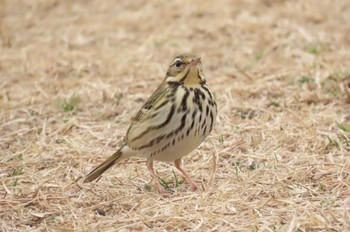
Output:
(103, 167)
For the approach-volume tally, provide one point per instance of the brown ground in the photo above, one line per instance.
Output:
(73, 73)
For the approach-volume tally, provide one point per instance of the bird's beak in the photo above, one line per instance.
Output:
(195, 62)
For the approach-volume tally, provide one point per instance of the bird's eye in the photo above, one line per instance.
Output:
(178, 63)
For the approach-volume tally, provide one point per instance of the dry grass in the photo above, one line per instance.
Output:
(73, 73)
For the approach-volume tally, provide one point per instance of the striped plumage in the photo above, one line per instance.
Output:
(173, 122)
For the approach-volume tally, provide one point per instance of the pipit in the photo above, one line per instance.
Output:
(174, 121)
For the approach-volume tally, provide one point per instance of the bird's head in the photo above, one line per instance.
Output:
(185, 69)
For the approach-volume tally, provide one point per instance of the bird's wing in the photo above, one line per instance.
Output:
(150, 117)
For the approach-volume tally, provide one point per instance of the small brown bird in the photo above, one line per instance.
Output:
(174, 121)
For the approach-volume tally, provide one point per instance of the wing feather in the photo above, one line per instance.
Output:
(152, 115)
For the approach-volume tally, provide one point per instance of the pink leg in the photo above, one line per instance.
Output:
(188, 178)
(155, 177)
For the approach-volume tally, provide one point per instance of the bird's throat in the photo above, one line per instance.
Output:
(192, 77)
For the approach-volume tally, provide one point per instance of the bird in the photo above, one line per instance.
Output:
(173, 122)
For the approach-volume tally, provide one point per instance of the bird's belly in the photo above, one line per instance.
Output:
(181, 134)
(171, 151)
(181, 144)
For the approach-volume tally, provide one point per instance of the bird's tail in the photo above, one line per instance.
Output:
(104, 166)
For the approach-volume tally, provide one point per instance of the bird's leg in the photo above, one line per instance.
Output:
(155, 177)
(188, 178)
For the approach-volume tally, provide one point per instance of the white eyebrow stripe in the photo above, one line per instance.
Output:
(176, 59)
